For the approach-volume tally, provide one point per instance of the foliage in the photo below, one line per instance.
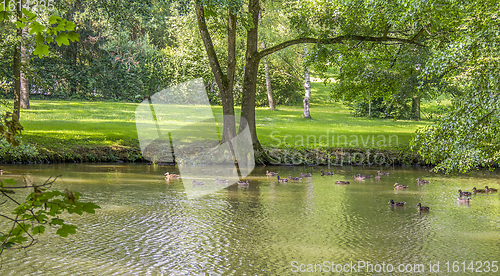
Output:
(56, 29)
(390, 78)
(10, 127)
(40, 209)
(467, 138)
(287, 90)
(19, 153)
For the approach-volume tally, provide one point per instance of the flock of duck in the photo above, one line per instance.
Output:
(464, 196)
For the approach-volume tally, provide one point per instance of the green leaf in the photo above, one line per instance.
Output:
(61, 25)
(75, 209)
(10, 181)
(49, 39)
(4, 15)
(65, 230)
(70, 26)
(39, 38)
(53, 19)
(57, 221)
(20, 25)
(29, 14)
(54, 209)
(17, 240)
(90, 207)
(38, 229)
(73, 36)
(41, 50)
(36, 27)
(62, 38)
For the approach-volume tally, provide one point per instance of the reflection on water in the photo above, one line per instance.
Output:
(148, 227)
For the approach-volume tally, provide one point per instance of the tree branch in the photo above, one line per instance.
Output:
(334, 40)
(220, 78)
(231, 51)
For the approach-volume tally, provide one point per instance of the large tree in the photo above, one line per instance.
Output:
(316, 22)
(467, 137)
(55, 29)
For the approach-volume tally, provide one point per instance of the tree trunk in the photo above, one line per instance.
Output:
(369, 106)
(17, 69)
(268, 82)
(224, 82)
(252, 60)
(25, 91)
(415, 107)
(307, 88)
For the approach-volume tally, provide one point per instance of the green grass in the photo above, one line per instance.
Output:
(68, 126)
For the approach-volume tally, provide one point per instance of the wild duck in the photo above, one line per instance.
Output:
(358, 178)
(243, 183)
(268, 173)
(422, 208)
(399, 186)
(490, 190)
(326, 173)
(378, 177)
(421, 181)
(396, 204)
(198, 183)
(217, 180)
(365, 175)
(171, 175)
(463, 199)
(478, 191)
(305, 175)
(294, 178)
(464, 193)
(282, 179)
(342, 182)
(382, 173)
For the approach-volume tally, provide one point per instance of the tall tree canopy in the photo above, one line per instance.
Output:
(339, 23)
(468, 55)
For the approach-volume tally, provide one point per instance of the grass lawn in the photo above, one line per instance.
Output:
(69, 126)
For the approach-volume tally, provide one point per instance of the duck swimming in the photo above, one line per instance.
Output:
(171, 175)
(463, 199)
(198, 183)
(422, 208)
(397, 204)
(399, 186)
(419, 181)
(217, 180)
(243, 183)
(358, 178)
(490, 190)
(268, 173)
(282, 180)
(382, 173)
(464, 193)
(478, 191)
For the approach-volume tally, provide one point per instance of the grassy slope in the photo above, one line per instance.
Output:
(65, 126)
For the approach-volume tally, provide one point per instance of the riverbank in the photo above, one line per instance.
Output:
(75, 131)
(281, 156)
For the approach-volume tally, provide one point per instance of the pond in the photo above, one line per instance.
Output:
(149, 227)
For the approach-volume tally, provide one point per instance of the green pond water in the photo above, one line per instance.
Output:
(149, 227)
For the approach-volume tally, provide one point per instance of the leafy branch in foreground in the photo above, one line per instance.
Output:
(40, 208)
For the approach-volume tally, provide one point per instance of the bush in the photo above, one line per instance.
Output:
(9, 153)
